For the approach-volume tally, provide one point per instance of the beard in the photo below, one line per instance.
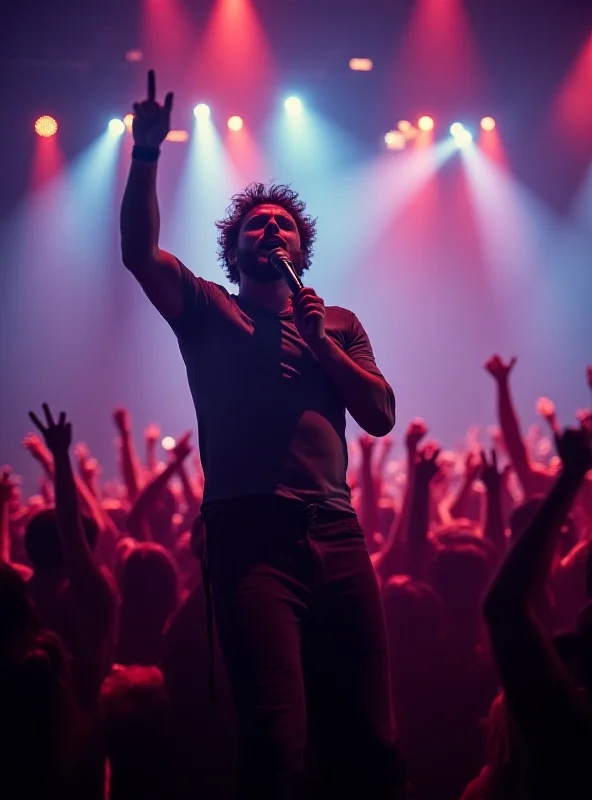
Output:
(259, 268)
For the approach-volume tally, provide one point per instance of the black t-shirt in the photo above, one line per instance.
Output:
(270, 419)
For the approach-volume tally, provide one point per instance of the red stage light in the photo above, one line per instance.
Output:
(46, 126)
(128, 121)
(235, 124)
(488, 123)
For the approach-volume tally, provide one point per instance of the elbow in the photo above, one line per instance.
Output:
(380, 425)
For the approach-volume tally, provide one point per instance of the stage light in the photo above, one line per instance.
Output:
(46, 126)
(235, 124)
(168, 443)
(395, 140)
(361, 64)
(128, 121)
(116, 127)
(462, 136)
(293, 105)
(488, 123)
(177, 136)
(201, 111)
(134, 56)
(456, 129)
(425, 124)
(404, 126)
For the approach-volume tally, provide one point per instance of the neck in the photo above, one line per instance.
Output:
(273, 296)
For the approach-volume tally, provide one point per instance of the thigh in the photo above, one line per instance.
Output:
(260, 607)
(348, 655)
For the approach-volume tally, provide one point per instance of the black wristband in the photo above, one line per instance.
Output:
(148, 154)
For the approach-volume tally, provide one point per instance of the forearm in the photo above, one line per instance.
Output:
(493, 527)
(140, 218)
(392, 561)
(148, 497)
(130, 470)
(368, 504)
(418, 529)
(368, 399)
(458, 506)
(510, 427)
(528, 563)
(68, 512)
(4, 532)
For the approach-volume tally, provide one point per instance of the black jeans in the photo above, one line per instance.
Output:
(301, 627)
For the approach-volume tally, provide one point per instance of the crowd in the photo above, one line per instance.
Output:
(485, 567)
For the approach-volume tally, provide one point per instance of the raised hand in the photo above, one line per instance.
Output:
(152, 434)
(490, 474)
(57, 435)
(309, 316)
(152, 122)
(415, 432)
(367, 443)
(575, 450)
(499, 370)
(35, 446)
(426, 464)
(182, 449)
(472, 465)
(545, 408)
(8, 487)
(122, 420)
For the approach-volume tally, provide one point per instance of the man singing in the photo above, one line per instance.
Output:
(297, 606)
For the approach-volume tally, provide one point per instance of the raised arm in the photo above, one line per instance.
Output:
(493, 524)
(368, 497)
(458, 505)
(151, 437)
(393, 555)
(157, 271)
(542, 697)
(81, 567)
(546, 409)
(6, 490)
(138, 516)
(128, 459)
(426, 469)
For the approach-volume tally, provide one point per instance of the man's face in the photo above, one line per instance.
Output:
(264, 229)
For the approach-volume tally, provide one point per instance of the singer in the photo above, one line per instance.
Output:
(272, 373)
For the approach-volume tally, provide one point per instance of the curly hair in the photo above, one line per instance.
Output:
(259, 194)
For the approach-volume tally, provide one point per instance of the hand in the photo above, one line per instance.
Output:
(82, 453)
(34, 444)
(8, 488)
(152, 122)
(545, 408)
(367, 443)
(152, 434)
(426, 464)
(472, 466)
(122, 420)
(57, 435)
(309, 316)
(415, 432)
(182, 449)
(490, 474)
(575, 449)
(500, 371)
(589, 376)
(584, 416)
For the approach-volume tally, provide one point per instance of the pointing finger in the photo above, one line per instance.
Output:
(151, 86)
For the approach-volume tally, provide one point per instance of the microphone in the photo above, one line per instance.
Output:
(279, 259)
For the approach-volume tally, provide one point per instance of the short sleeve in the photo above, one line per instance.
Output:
(358, 347)
(200, 297)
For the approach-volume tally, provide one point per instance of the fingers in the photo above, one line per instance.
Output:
(62, 419)
(48, 415)
(151, 86)
(37, 422)
(168, 102)
(494, 457)
(512, 362)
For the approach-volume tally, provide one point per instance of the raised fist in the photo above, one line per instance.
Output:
(367, 443)
(122, 420)
(545, 408)
(182, 449)
(498, 369)
(152, 122)
(415, 432)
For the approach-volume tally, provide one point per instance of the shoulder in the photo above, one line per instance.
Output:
(341, 318)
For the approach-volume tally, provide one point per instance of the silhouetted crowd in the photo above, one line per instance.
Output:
(485, 564)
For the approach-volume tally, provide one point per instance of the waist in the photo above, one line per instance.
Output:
(275, 507)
